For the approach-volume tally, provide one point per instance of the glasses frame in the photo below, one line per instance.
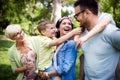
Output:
(76, 15)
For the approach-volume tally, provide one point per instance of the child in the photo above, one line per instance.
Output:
(46, 44)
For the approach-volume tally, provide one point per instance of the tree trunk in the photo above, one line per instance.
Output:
(56, 10)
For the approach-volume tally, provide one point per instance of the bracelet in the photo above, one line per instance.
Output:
(46, 73)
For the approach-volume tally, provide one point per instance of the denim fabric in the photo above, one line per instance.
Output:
(66, 59)
(50, 69)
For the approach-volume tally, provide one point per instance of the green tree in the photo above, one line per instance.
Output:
(113, 7)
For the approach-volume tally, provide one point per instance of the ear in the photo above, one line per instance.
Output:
(42, 32)
(87, 12)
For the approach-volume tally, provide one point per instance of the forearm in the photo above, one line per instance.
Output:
(81, 72)
(65, 37)
(98, 28)
(76, 38)
(62, 39)
(21, 69)
(52, 73)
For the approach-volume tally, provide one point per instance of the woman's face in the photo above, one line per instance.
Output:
(19, 35)
(65, 27)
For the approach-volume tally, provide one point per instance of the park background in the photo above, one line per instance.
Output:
(28, 13)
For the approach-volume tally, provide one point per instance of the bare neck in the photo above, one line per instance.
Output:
(21, 43)
(92, 22)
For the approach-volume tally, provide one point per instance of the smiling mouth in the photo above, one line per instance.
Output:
(67, 29)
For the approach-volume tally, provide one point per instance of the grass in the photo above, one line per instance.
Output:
(5, 69)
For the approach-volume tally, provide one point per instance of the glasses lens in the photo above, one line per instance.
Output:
(76, 15)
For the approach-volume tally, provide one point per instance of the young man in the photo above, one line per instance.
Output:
(102, 51)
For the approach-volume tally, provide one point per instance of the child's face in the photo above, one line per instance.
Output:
(50, 30)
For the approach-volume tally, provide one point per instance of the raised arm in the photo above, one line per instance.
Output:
(65, 37)
(105, 19)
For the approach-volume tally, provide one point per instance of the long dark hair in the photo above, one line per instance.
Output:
(59, 22)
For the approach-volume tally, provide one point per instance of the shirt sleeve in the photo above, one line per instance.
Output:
(115, 38)
(12, 60)
(105, 16)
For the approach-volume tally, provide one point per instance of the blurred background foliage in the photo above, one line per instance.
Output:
(28, 13)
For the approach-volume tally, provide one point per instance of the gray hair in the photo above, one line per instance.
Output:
(11, 30)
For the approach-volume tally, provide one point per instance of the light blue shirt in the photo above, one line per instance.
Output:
(105, 16)
(101, 54)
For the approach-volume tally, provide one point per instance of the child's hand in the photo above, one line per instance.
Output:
(29, 65)
(83, 39)
(80, 41)
(43, 75)
(77, 31)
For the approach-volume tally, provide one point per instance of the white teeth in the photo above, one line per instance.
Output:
(66, 29)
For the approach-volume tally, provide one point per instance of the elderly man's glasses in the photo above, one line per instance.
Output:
(76, 15)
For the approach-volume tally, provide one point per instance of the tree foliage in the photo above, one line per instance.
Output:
(113, 7)
(24, 12)
(29, 12)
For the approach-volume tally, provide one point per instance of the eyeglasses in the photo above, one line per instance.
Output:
(76, 15)
(18, 33)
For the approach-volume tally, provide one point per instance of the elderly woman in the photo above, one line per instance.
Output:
(21, 55)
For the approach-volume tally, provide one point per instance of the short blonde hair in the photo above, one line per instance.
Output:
(11, 30)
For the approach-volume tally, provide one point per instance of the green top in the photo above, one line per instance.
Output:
(45, 52)
(39, 44)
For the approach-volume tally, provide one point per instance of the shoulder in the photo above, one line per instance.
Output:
(110, 31)
(70, 43)
(12, 49)
(40, 39)
(105, 15)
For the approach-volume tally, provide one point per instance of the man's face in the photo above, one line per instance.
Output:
(80, 16)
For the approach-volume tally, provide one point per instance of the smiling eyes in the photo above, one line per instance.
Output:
(64, 23)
